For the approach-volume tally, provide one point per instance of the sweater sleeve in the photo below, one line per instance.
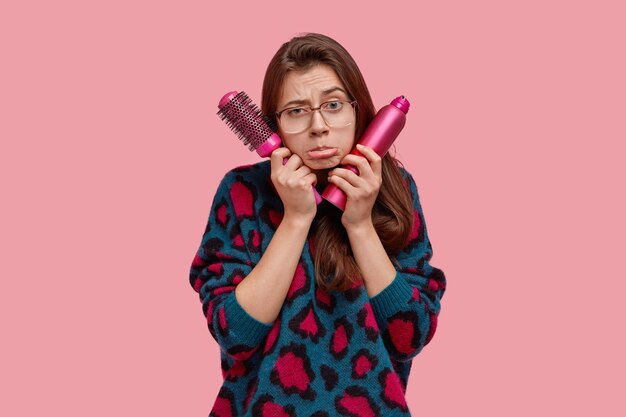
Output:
(406, 310)
(222, 262)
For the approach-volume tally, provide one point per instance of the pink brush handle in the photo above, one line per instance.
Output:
(379, 136)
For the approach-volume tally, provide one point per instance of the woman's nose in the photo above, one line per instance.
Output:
(318, 124)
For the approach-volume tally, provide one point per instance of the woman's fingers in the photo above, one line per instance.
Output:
(283, 158)
(311, 178)
(369, 178)
(289, 171)
(277, 157)
(375, 160)
(346, 175)
(368, 164)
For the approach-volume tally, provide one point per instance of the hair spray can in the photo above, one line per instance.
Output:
(379, 135)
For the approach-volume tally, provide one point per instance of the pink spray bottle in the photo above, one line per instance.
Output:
(379, 135)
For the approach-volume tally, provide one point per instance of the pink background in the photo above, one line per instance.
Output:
(111, 152)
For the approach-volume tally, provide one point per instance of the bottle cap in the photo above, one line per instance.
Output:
(402, 103)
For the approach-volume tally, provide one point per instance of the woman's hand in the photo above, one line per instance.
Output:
(293, 182)
(361, 189)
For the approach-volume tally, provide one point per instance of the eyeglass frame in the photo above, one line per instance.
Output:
(352, 103)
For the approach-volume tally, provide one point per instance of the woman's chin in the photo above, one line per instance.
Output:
(326, 163)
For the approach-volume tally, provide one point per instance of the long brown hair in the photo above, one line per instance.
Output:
(392, 214)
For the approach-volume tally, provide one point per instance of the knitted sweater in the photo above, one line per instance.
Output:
(327, 353)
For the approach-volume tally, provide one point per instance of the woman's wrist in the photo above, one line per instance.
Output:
(361, 229)
(297, 221)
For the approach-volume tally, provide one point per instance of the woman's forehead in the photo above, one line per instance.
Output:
(310, 83)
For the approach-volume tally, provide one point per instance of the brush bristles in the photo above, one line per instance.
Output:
(247, 121)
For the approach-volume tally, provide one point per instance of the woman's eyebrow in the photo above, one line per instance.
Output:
(299, 101)
(325, 92)
(332, 90)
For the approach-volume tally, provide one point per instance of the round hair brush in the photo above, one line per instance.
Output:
(252, 127)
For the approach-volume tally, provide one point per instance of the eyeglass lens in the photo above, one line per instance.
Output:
(334, 113)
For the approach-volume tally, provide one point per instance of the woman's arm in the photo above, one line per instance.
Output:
(405, 298)
(361, 190)
(221, 263)
(263, 292)
(369, 253)
(241, 299)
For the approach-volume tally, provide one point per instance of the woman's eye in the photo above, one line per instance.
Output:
(295, 111)
(334, 105)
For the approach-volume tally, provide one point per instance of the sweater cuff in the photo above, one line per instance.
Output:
(393, 298)
(243, 325)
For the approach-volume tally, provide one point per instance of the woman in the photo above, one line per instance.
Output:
(317, 312)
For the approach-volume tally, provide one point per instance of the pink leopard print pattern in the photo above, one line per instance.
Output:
(327, 354)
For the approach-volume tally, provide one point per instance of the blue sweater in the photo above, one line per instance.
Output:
(327, 353)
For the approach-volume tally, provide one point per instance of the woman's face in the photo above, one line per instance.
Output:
(320, 147)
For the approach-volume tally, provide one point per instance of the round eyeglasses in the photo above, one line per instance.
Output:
(336, 113)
